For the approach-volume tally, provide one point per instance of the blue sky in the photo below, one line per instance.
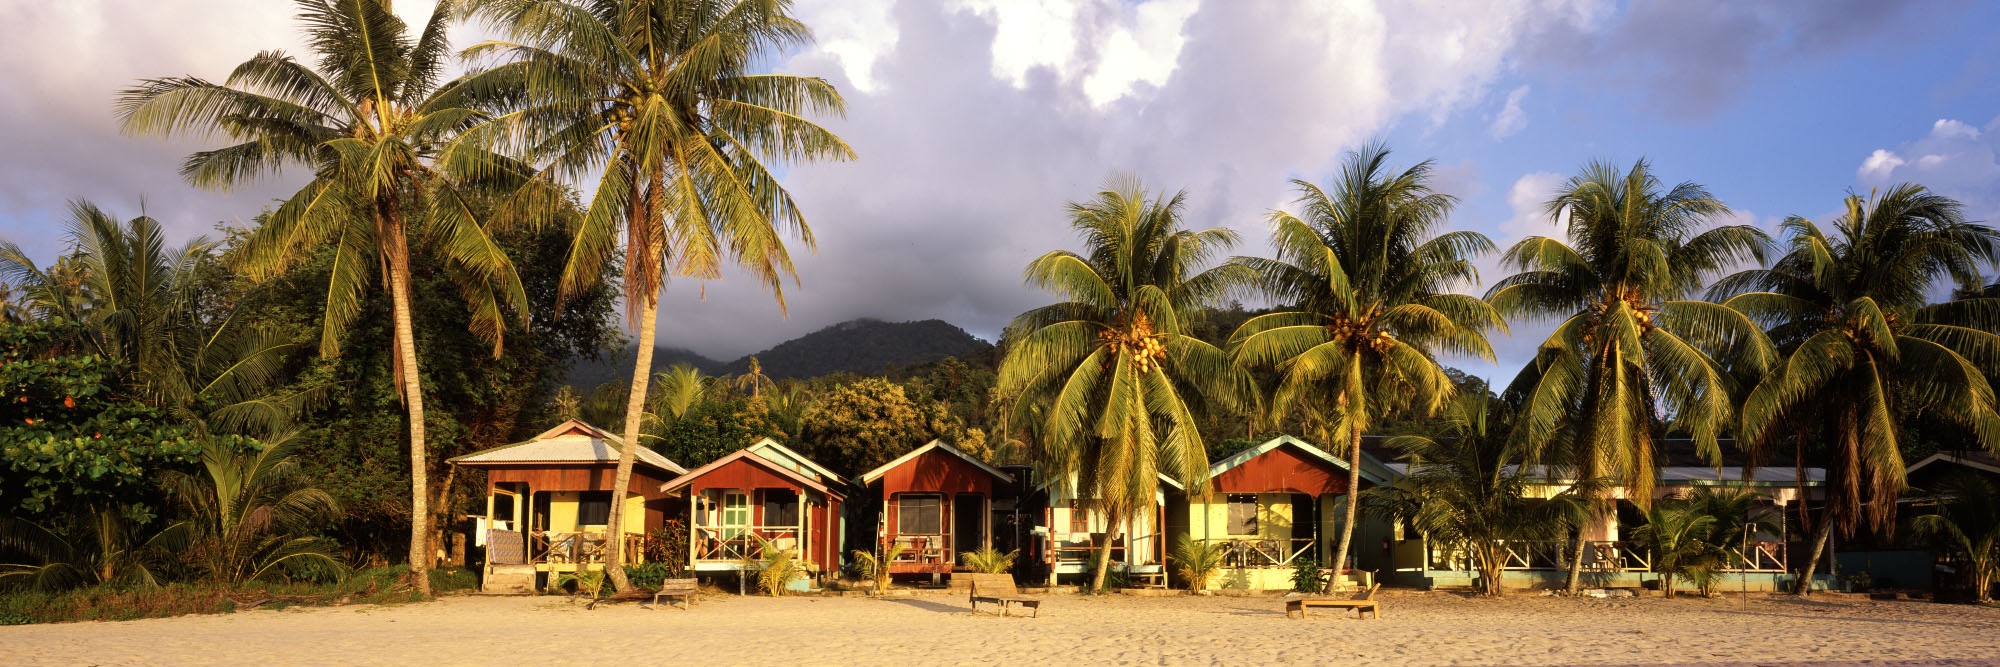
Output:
(975, 120)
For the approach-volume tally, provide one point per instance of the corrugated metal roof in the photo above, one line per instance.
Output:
(571, 442)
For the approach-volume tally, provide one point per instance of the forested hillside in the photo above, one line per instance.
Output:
(863, 346)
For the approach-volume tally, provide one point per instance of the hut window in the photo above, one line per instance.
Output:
(1079, 518)
(781, 507)
(1242, 514)
(920, 515)
(593, 508)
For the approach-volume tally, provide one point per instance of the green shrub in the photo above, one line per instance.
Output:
(651, 575)
(1306, 575)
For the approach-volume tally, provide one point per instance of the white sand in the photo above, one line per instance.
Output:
(1417, 628)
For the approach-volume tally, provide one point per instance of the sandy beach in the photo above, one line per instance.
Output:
(1417, 629)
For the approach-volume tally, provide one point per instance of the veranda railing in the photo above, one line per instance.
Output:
(1256, 553)
(733, 543)
(1600, 556)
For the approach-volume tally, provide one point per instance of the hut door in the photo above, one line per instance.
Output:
(968, 522)
(1305, 520)
(735, 514)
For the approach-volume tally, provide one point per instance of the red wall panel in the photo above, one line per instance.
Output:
(1283, 470)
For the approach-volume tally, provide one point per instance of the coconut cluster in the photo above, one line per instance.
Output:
(1138, 339)
(1358, 332)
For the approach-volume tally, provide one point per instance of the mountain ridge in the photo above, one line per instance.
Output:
(861, 345)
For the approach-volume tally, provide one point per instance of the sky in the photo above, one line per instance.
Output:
(975, 121)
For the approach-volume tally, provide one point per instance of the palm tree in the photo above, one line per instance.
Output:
(1470, 491)
(681, 388)
(1739, 514)
(1121, 383)
(141, 304)
(122, 282)
(754, 380)
(1968, 516)
(1673, 532)
(1851, 308)
(251, 511)
(1631, 356)
(381, 142)
(86, 546)
(1367, 285)
(662, 98)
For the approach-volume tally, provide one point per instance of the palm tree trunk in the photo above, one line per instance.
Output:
(1353, 503)
(1492, 566)
(1812, 561)
(413, 396)
(1574, 583)
(1114, 527)
(635, 406)
(643, 259)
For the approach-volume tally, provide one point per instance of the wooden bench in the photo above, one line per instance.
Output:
(1365, 604)
(685, 589)
(999, 590)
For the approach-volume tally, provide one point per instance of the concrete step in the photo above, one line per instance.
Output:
(509, 580)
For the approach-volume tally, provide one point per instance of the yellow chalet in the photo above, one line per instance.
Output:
(548, 504)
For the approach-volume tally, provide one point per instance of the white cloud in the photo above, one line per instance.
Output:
(856, 33)
(1527, 198)
(1879, 164)
(1511, 118)
(69, 61)
(1947, 128)
(984, 117)
(1956, 159)
(1144, 52)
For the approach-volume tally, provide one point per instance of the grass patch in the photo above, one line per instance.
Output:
(377, 585)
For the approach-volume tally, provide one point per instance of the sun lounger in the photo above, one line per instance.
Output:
(999, 589)
(1365, 604)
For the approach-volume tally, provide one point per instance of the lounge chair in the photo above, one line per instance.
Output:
(1364, 604)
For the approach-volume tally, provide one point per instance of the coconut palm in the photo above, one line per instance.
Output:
(140, 303)
(681, 388)
(251, 512)
(1367, 286)
(1851, 306)
(380, 140)
(1197, 560)
(754, 380)
(1631, 355)
(87, 546)
(1469, 491)
(1672, 532)
(129, 289)
(1738, 516)
(664, 100)
(1121, 382)
(1968, 517)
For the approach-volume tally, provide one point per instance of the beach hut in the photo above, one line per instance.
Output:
(937, 502)
(548, 503)
(764, 494)
(1072, 529)
(1610, 559)
(1275, 503)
